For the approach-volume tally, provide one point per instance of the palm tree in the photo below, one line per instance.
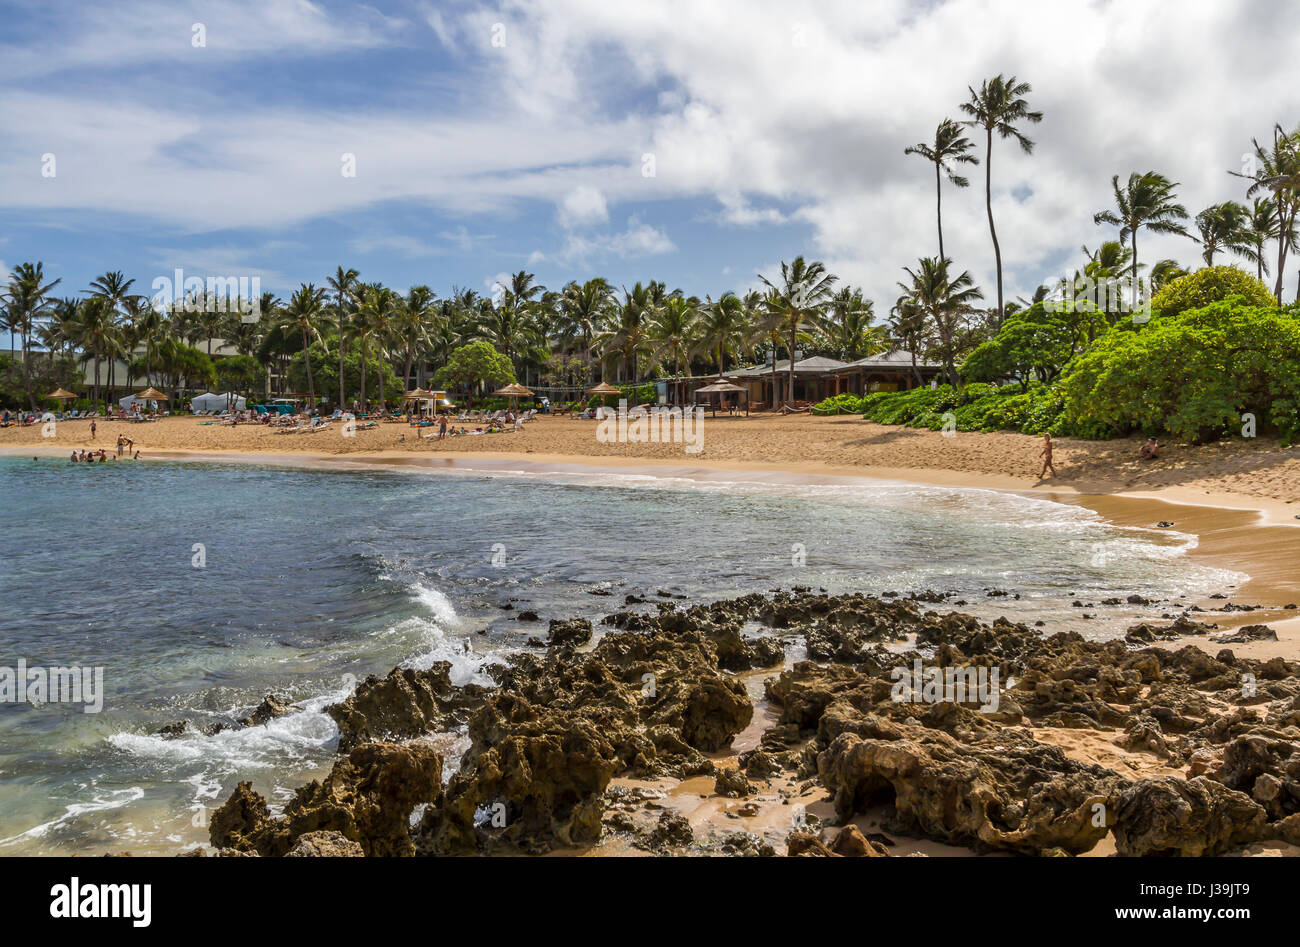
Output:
(27, 300)
(910, 330)
(371, 321)
(797, 304)
(723, 327)
(674, 332)
(945, 302)
(951, 147)
(414, 318)
(306, 314)
(1164, 272)
(1262, 227)
(343, 282)
(1278, 173)
(1226, 227)
(849, 328)
(1146, 201)
(96, 323)
(585, 309)
(629, 336)
(997, 107)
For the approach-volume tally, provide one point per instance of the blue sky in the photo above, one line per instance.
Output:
(490, 138)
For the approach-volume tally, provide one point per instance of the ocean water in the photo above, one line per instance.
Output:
(201, 587)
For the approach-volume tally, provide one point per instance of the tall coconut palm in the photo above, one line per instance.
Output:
(585, 309)
(414, 320)
(849, 326)
(306, 315)
(910, 330)
(674, 332)
(724, 327)
(343, 283)
(26, 300)
(1278, 173)
(797, 303)
(628, 336)
(1147, 200)
(1262, 227)
(951, 147)
(371, 324)
(997, 107)
(946, 303)
(1225, 228)
(96, 323)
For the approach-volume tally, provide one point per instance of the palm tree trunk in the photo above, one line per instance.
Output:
(988, 206)
(27, 379)
(342, 346)
(938, 206)
(1135, 269)
(1286, 225)
(306, 360)
(791, 372)
(363, 374)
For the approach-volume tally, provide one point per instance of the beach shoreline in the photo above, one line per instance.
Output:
(1239, 531)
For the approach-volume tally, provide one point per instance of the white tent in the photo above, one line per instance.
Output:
(214, 402)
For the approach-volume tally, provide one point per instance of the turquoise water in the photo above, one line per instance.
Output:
(313, 578)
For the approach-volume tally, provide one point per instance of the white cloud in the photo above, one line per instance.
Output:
(747, 105)
(583, 206)
(638, 240)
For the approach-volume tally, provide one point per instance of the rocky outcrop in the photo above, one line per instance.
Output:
(368, 798)
(326, 844)
(1005, 792)
(405, 704)
(1193, 817)
(270, 708)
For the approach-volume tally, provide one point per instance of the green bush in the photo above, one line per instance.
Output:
(1195, 374)
(1209, 285)
(979, 407)
(843, 403)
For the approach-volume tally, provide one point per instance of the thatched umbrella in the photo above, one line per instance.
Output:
(722, 387)
(603, 389)
(151, 394)
(62, 394)
(514, 391)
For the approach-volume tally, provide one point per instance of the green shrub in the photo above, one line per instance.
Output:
(1209, 285)
(843, 403)
(1195, 374)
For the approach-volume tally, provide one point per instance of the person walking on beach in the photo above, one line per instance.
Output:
(442, 427)
(1046, 454)
(92, 429)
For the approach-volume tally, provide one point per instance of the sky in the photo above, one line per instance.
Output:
(697, 143)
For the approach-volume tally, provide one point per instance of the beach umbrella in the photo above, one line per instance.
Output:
(514, 391)
(603, 389)
(61, 394)
(151, 394)
(722, 387)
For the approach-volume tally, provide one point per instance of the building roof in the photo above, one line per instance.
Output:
(814, 365)
(898, 358)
